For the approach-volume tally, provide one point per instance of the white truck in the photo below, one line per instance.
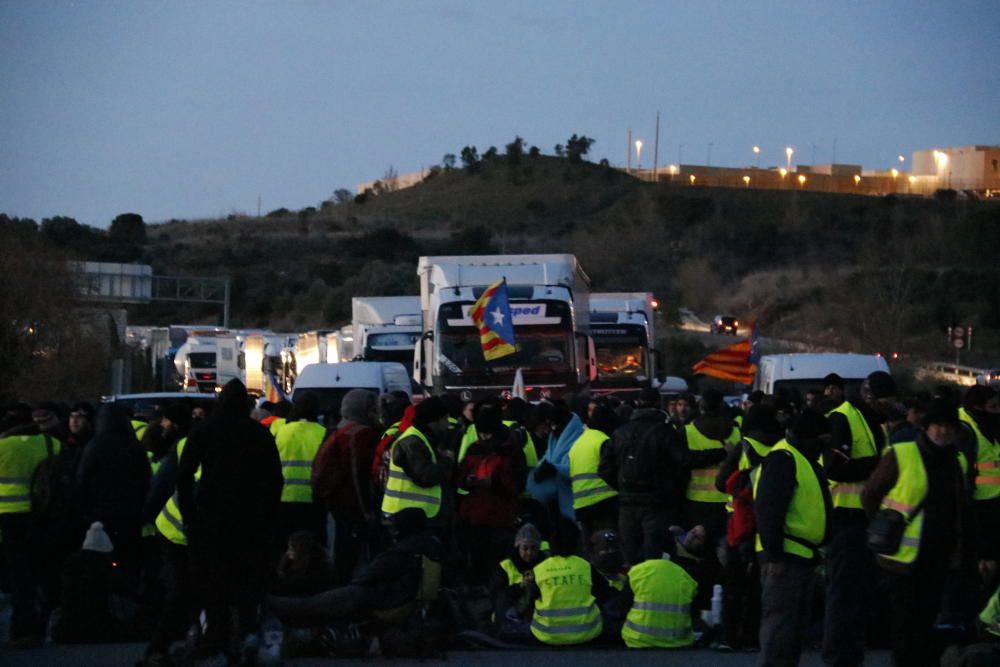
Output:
(207, 361)
(621, 324)
(262, 360)
(330, 382)
(549, 301)
(801, 372)
(386, 328)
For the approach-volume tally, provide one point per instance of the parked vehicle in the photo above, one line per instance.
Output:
(804, 371)
(989, 378)
(148, 404)
(331, 381)
(549, 299)
(386, 328)
(621, 324)
(207, 361)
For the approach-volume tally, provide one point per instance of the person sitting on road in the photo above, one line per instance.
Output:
(510, 588)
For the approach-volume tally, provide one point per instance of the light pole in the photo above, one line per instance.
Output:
(789, 152)
(638, 154)
(802, 180)
(746, 181)
(895, 175)
(783, 172)
(756, 151)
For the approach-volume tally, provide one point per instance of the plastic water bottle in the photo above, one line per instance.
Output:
(717, 605)
(272, 636)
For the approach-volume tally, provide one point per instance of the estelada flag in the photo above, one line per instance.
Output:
(491, 314)
(736, 363)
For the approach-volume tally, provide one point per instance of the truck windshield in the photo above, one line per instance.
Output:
(544, 339)
(621, 352)
(393, 340)
(202, 359)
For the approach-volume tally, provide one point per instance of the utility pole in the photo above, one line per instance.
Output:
(656, 147)
(629, 167)
(258, 206)
(709, 154)
(834, 161)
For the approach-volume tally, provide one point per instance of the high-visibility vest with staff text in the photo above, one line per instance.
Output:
(19, 456)
(848, 494)
(805, 520)
(170, 521)
(907, 497)
(701, 487)
(584, 458)
(987, 463)
(298, 442)
(401, 492)
(661, 609)
(566, 612)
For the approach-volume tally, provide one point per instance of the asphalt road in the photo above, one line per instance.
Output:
(126, 655)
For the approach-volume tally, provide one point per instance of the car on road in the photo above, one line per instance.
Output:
(989, 377)
(724, 324)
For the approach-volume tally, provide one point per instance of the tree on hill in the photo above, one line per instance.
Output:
(128, 228)
(448, 161)
(577, 147)
(490, 154)
(559, 150)
(470, 159)
(514, 151)
(342, 195)
(66, 231)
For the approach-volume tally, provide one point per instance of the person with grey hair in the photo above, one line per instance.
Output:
(342, 483)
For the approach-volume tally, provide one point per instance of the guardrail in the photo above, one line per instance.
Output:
(955, 369)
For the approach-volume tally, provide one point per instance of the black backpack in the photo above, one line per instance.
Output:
(53, 485)
(642, 457)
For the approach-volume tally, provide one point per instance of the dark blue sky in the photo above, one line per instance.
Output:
(193, 109)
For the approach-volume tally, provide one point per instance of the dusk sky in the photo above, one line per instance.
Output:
(193, 109)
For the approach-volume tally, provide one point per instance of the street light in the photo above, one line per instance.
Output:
(783, 172)
(756, 151)
(901, 159)
(638, 153)
(789, 152)
(746, 181)
(895, 173)
(693, 179)
(802, 180)
(857, 179)
(672, 169)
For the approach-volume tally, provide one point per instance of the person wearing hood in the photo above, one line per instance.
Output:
(231, 520)
(980, 416)
(419, 462)
(550, 482)
(707, 440)
(644, 462)
(924, 482)
(341, 480)
(792, 505)
(298, 442)
(114, 478)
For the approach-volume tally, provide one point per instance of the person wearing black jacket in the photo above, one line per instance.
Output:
(644, 463)
(231, 519)
(114, 478)
(788, 508)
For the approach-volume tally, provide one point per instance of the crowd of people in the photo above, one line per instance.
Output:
(830, 520)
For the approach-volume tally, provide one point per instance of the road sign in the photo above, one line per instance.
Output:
(960, 336)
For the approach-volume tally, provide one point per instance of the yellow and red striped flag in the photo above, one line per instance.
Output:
(491, 314)
(734, 363)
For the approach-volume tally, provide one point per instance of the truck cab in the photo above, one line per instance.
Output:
(621, 324)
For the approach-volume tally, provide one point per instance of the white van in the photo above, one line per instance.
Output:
(331, 381)
(798, 373)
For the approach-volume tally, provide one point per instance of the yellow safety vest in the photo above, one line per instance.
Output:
(660, 616)
(848, 494)
(149, 529)
(584, 457)
(744, 462)
(566, 612)
(401, 492)
(139, 428)
(298, 442)
(987, 461)
(906, 497)
(514, 576)
(276, 425)
(701, 487)
(391, 431)
(19, 456)
(170, 521)
(805, 522)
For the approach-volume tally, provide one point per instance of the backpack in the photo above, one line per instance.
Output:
(53, 485)
(641, 458)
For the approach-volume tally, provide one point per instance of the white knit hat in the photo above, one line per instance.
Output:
(97, 539)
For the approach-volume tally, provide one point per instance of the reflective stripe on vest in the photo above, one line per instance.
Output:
(848, 494)
(661, 613)
(806, 518)
(987, 457)
(701, 487)
(169, 521)
(566, 612)
(401, 492)
(298, 442)
(584, 457)
(19, 456)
